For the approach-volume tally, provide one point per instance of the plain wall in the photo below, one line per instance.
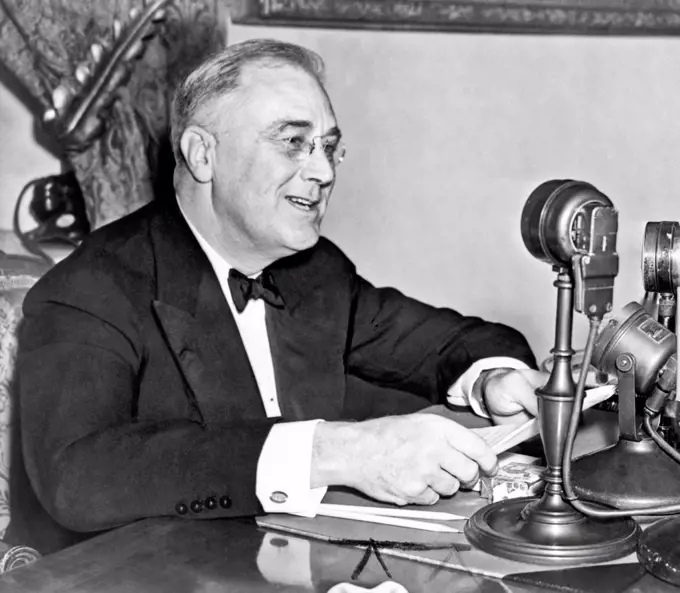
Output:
(447, 136)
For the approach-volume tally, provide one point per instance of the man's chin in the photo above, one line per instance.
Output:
(304, 241)
(306, 244)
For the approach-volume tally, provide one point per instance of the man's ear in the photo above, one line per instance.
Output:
(198, 148)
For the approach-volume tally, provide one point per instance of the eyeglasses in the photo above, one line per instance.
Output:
(300, 149)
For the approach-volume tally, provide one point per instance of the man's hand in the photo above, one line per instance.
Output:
(509, 394)
(414, 458)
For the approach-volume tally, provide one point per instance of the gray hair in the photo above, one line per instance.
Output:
(220, 75)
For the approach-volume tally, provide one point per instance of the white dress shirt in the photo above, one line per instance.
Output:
(284, 466)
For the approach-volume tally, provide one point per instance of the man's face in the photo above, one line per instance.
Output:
(266, 199)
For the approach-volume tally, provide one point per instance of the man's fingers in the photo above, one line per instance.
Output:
(474, 447)
(429, 497)
(536, 378)
(525, 396)
(400, 501)
(444, 484)
(526, 393)
(511, 392)
(425, 495)
(460, 467)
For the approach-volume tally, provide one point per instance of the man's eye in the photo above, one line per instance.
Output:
(294, 142)
(330, 147)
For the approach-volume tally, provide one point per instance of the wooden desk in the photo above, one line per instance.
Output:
(175, 555)
(171, 555)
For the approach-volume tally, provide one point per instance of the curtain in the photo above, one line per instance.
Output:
(58, 51)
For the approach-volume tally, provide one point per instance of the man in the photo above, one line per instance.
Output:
(152, 386)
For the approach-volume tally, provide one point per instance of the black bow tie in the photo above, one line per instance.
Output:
(243, 288)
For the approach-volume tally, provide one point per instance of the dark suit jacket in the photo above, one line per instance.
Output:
(137, 394)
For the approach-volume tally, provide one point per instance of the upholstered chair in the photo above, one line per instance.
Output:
(17, 274)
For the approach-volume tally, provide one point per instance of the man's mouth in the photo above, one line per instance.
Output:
(302, 203)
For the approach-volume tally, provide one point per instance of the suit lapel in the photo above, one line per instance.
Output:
(307, 339)
(198, 325)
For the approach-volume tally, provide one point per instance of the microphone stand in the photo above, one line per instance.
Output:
(549, 530)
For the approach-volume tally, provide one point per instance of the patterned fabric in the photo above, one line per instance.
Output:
(17, 275)
(43, 43)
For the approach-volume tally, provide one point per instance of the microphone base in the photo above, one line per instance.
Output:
(630, 475)
(659, 550)
(549, 531)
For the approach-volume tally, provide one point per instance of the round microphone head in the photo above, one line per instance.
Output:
(633, 331)
(552, 229)
(661, 257)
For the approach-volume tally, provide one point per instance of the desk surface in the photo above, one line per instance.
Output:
(176, 555)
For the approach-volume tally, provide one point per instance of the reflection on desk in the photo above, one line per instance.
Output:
(173, 555)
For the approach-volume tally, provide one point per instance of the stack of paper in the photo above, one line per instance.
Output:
(503, 437)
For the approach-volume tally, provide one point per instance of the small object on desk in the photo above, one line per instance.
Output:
(387, 520)
(513, 480)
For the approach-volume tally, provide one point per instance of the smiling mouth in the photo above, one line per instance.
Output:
(302, 203)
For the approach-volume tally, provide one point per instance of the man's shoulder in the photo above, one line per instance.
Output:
(127, 232)
(108, 259)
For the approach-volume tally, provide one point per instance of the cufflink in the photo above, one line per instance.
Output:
(278, 497)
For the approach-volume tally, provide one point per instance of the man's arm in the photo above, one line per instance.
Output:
(93, 458)
(399, 342)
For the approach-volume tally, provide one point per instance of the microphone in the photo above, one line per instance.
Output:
(633, 331)
(661, 269)
(661, 257)
(572, 224)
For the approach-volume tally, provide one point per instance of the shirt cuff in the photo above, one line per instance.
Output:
(284, 470)
(461, 392)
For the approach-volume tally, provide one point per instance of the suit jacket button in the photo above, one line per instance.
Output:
(196, 506)
(210, 503)
(181, 508)
(225, 502)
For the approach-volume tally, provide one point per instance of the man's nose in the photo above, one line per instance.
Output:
(318, 168)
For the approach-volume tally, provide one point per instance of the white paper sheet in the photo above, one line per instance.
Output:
(503, 437)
